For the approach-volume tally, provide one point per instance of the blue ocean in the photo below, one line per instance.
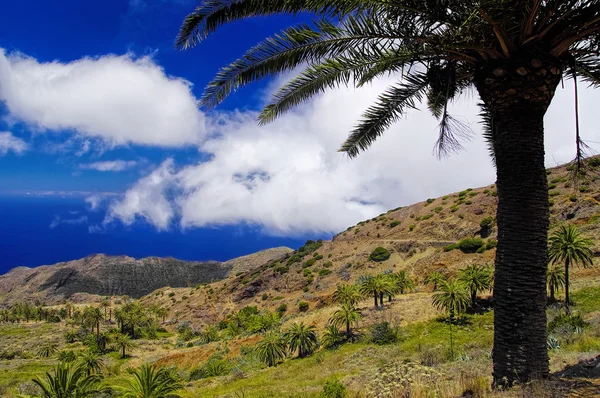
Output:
(41, 230)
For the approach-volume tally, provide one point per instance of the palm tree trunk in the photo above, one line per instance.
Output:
(567, 301)
(375, 296)
(473, 298)
(552, 298)
(516, 104)
(347, 328)
(381, 299)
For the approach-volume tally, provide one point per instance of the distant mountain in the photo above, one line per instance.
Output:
(119, 275)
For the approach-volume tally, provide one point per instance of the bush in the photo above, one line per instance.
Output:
(470, 245)
(379, 254)
(426, 217)
(282, 269)
(309, 263)
(430, 201)
(212, 368)
(394, 224)
(575, 321)
(171, 294)
(328, 264)
(491, 244)
(411, 227)
(451, 247)
(324, 272)
(438, 209)
(303, 306)
(383, 333)
(334, 389)
(486, 222)
(282, 308)
(265, 296)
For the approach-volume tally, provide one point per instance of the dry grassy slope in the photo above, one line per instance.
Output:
(415, 243)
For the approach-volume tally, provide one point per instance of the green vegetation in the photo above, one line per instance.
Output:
(476, 278)
(379, 254)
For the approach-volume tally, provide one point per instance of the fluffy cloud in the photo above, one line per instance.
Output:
(112, 165)
(121, 99)
(288, 178)
(9, 142)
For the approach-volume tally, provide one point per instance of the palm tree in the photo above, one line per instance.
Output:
(514, 53)
(151, 381)
(123, 343)
(332, 337)
(91, 362)
(475, 278)
(436, 278)
(94, 317)
(347, 294)
(376, 286)
(556, 280)
(346, 315)
(301, 338)
(47, 350)
(402, 282)
(106, 305)
(162, 313)
(68, 381)
(453, 298)
(569, 247)
(271, 349)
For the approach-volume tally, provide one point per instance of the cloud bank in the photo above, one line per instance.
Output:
(120, 99)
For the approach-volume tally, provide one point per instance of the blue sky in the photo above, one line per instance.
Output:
(95, 103)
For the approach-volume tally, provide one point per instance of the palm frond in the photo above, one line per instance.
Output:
(213, 14)
(295, 46)
(452, 132)
(488, 131)
(390, 106)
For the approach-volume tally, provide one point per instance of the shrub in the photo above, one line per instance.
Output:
(454, 208)
(265, 296)
(379, 254)
(303, 306)
(171, 294)
(307, 272)
(491, 244)
(309, 263)
(324, 272)
(427, 216)
(411, 227)
(282, 269)
(487, 222)
(334, 389)
(383, 333)
(575, 321)
(551, 186)
(438, 209)
(328, 264)
(553, 193)
(394, 224)
(213, 367)
(470, 245)
(573, 198)
(451, 247)
(282, 308)
(468, 202)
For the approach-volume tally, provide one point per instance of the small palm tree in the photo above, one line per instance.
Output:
(475, 278)
(555, 280)
(401, 283)
(453, 298)
(69, 381)
(47, 350)
(301, 338)
(91, 362)
(569, 247)
(271, 349)
(347, 294)
(151, 381)
(123, 343)
(377, 287)
(332, 337)
(436, 278)
(346, 315)
(106, 305)
(94, 316)
(162, 313)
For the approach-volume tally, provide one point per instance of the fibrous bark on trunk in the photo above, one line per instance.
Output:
(517, 103)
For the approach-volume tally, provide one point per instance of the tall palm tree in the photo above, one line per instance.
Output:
(271, 349)
(106, 305)
(123, 343)
(301, 338)
(346, 315)
(91, 362)
(513, 52)
(475, 278)
(347, 294)
(69, 381)
(162, 313)
(555, 279)
(452, 298)
(94, 316)
(569, 247)
(151, 381)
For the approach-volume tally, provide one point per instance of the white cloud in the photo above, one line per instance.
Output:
(112, 165)
(9, 142)
(121, 99)
(57, 221)
(288, 178)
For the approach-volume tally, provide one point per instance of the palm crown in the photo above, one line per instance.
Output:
(438, 46)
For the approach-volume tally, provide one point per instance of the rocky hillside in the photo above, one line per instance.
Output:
(419, 238)
(119, 275)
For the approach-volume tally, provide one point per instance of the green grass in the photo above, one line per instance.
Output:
(586, 299)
